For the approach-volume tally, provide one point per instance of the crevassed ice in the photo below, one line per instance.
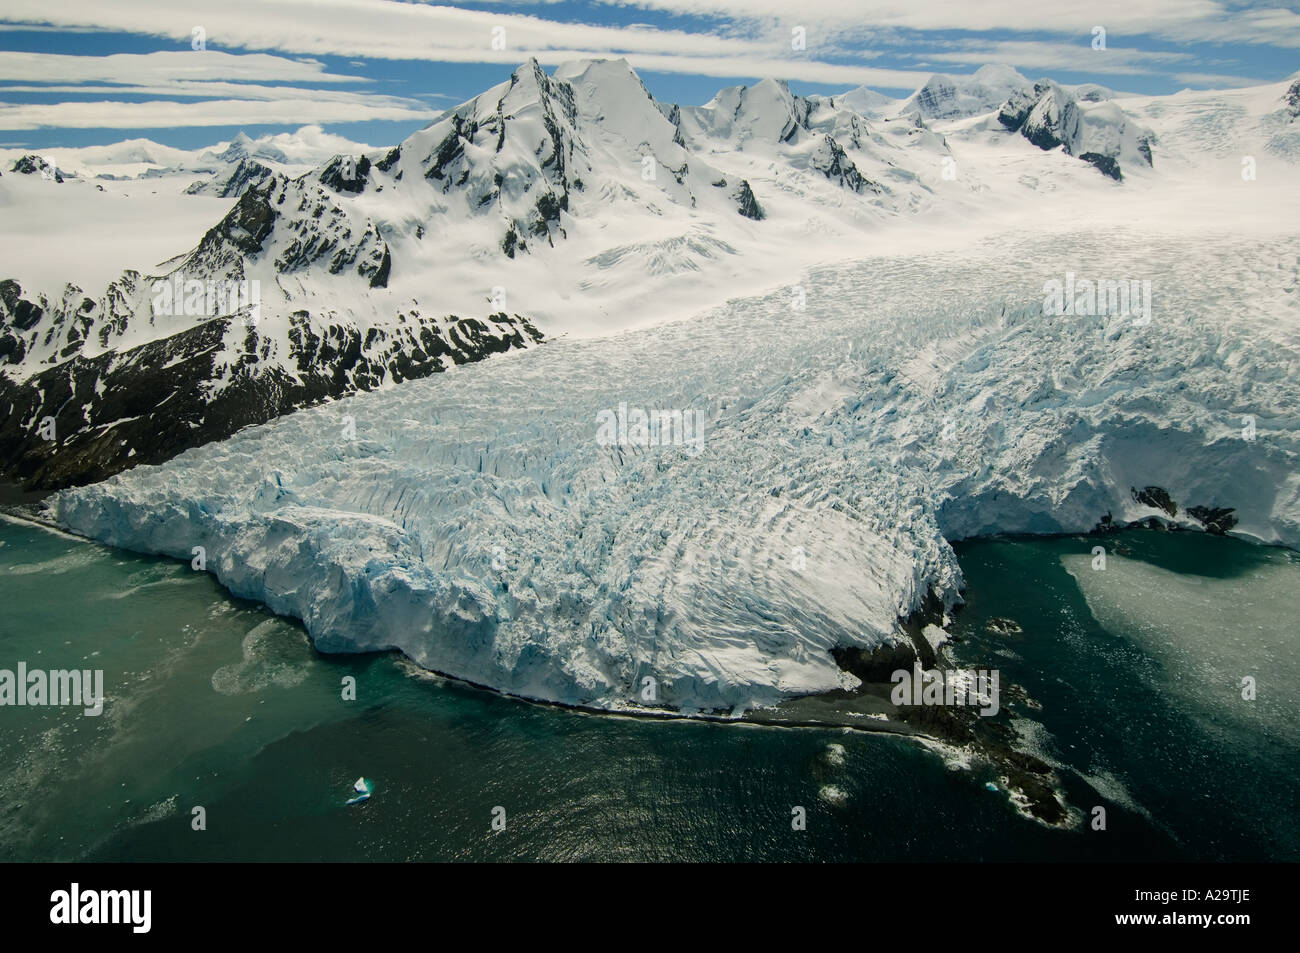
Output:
(476, 523)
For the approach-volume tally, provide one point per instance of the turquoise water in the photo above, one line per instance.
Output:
(215, 702)
(1139, 670)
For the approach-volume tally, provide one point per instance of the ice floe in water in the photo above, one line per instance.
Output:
(833, 795)
(1208, 633)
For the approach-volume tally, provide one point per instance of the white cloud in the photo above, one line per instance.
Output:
(1182, 20)
(750, 39)
(379, 29)
(220, 90)
(1038, 55)
(163, 66)
(220, 112)
(812, 71)
(1217, 80)
(382, 29)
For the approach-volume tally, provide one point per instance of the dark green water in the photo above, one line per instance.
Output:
(218, 703)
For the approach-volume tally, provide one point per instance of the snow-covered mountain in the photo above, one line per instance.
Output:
(804, 134)
(346, 251)
(550, 204)
(234, 182)
(1096, 131)
(33, 164)
(949, 97)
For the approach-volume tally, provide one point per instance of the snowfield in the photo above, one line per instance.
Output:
(476, 524)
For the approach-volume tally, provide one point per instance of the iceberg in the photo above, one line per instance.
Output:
(363, 789)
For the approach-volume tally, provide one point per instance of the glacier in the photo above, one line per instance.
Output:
(473, 521)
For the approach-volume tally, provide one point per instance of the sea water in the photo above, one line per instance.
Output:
(225, 736)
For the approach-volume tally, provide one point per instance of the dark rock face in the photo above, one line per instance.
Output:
(46, 330)
(511, 242)
(1046, 115)
(833, 162)
(1016, 110)
(1292, 99)
(878, 665)
(449, 150)
(1049, 116)
(1216, 520)
(1045, 135)
(1106, 164)
(674, 114)
(548, 182)
(1058, 125)
(245, 226)
(23, 314)
(548, 212)
(35, 165)
(746, 204)
(380, 278)
(1156, 497)
(146, 405)
(246, 175)
(317, 229)
(346, 174)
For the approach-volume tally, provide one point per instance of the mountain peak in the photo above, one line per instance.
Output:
(999, 73)
(529, 70)
(593, 68)
(33, 164)
(954, 97)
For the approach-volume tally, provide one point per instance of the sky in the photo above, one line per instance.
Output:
(190, 74)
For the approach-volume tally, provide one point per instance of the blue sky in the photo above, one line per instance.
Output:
(84, 72)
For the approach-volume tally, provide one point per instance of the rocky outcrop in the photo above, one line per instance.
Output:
(1101, 134)
(1217, 520)
(89, 418)
(247, 174)
(33, 164)
(1156, 498)
(746, 204)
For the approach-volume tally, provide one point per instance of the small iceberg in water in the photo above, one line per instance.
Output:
(363, 787)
